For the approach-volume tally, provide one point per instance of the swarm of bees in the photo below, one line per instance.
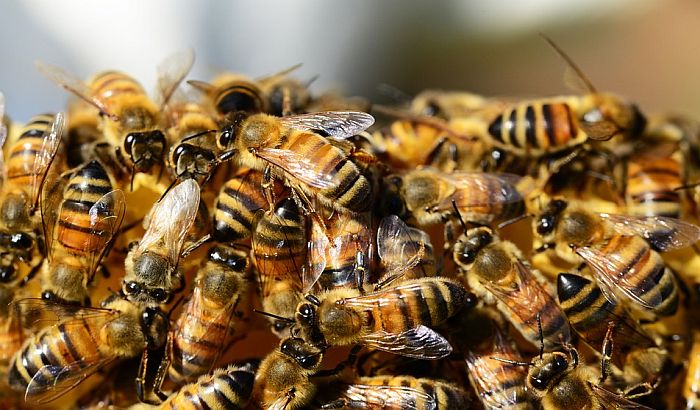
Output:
(459, 252)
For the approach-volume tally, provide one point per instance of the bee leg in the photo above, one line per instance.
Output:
(338, 404)
(360, 272)
(606, 353)
(201, 241)
(387, 281)
(32, 272)
(639, 390)
(267, 187)
(162, 371)
(305, 203)
(141, 379)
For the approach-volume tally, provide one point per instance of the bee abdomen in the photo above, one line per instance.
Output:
(228, 388)
(22, 154)
(110, 84)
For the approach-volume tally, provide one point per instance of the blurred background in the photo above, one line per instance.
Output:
(646, 50)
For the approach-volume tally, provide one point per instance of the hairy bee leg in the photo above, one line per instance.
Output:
(268, 188)
(337, 404)
(162, 371)
(194, 246)
(639, 390)
(607, 351)
(141, 379)
(304, 202)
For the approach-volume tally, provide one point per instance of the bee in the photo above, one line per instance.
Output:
(232, 93)
(130, 119)
(543, 127)
(82, 213)
(481, 198)
(23, 176)
(151, 266)
(602, 324)
(340, 254)
(496, 271)
(226, 388)
(393, 319)
(446, 104)
(560, 381)
(295, 152)
(82, 133)
(279, 247)
(283, 380)
(398, 392)
(285, 95)
(620, 250)
(207, 323)
(80, 342)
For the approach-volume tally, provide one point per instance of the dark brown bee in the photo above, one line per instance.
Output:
(231, 93)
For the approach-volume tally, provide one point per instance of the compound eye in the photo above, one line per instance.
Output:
(560, 364)
(467, 256)
(7, 273)
(545, 225)
(538, 383)
(225, 138)
(21, 240)
(132, 288)
(308, 362)
(306, 310)
(159, 295)
(129, 142)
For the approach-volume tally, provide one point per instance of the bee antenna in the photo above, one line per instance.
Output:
(459, 215)
(539, 328)
(570, 62)
(512, 220)
(199, 134)
(172, 184)
(687, 186)
(513, 362)
(272, 315)
(313, 299)
(133, 174)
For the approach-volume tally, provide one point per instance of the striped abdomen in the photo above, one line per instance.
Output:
(60, 345)
(110, 86)
(486, 200)
(238, 201)
(22, 154)
(427, 302)
(651, 186)
(238, 96)
(349, 236)
(641, 271)
(591, 315)
(228, 388)
(537, 128)
(74, 229)
(414, 393)
(279, 243)
(199, 337)
(351, 190)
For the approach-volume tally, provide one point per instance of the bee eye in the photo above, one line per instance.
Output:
(306, 310)
(560, 364)
(308, 362)
(538, 383)
(225, 138)
(7, 273)
(128, 142)
(280, 325)
(467, 256)
(545, 224)
(132, 288)
(159, 295)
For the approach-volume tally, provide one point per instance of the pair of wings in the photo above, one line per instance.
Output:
(525, 300)
(171, 72)
(338, 125)
(53, 381)
(368, 396)
(477, 189)
(170, 219)
(105, 219)
(39, 168)
(662, 234)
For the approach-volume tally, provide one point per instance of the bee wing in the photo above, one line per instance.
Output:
(615, 401)
(171, 72)
(420, 342)
(662, 233)
(171, 218)
(525, 300)
(48, 312)
(400, 247)
(51, 198)
(607, 267)
(52, 382)
(73, 85)
(601, 130)
(47, 153)
(399, 397)
(317, 246)
(281, 73)
(298, 166)
(106, 216)
(337, 124)
(479, 189)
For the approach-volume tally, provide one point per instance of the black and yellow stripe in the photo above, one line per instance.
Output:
(22, 154)
(651, 186)
(109, 86)
(228, 388)
(445, 395)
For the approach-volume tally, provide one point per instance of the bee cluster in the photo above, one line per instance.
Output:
(463, 252)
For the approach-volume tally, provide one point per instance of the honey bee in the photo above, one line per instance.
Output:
(226, 388)
(22, 179)
(283, 380)
(621, 252)
(496, 271)
(206, 323)
(81, 215)
(546, 126)
(279, 250)
(393, 319)
(231, 93)
(295, 152)
(560, 381)
(151, 266)
(446, 104)
(398, 392)
(481, 198)
(130, 120)
(80, 342)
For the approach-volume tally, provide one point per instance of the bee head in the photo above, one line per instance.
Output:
(468, 246)
(145, 149)
(547, 370)
(547, 221)
(303, 353)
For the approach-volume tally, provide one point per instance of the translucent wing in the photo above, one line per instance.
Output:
(47, 153)
(3, 137)
(399, 397)
(317, 248)
(601, 130)
(170, 220)
(337, 124)
(526, 299)
(475, 189)
(608, 269)
(281, 73)
(298, 166)
(171, 72)
(400, 247)
(420, 342)
(106, 217)
(73, 85)
(48, 312)
(52, 382)
(52, 195)
(615, 401)
(662, 233)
